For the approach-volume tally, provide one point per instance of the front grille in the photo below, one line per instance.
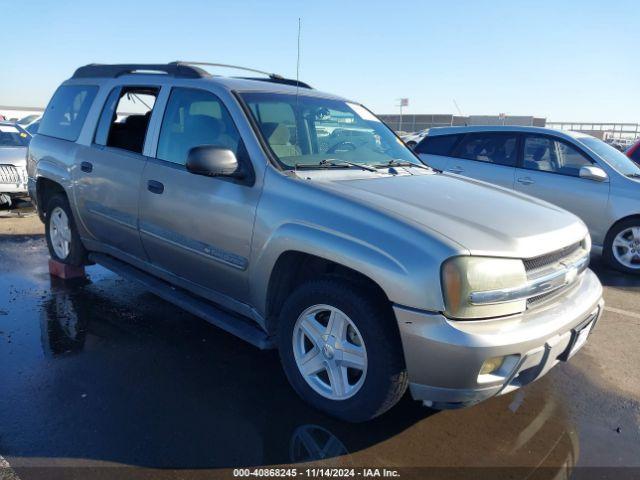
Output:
(537, 263)
(9, 174)
(542, 265)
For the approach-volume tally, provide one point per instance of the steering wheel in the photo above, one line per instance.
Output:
(346, 147)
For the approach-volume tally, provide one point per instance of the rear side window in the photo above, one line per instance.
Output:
(125, 118)
(67, 111)
(498, 148)
(437, 145)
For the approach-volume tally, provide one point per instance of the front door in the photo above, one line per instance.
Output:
(196, 227)
(110, 171)
(550, 171)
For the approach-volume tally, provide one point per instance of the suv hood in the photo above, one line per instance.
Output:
(13, 156)
(482, 218)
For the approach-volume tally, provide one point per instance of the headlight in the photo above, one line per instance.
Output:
(482, 287)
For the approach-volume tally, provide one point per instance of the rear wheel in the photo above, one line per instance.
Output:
(622, 246)
(340, 349)
(62, 236)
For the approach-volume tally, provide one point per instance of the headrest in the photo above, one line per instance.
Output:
(203, 124)
(277, 133)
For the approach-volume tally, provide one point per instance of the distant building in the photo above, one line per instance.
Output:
(417, 122)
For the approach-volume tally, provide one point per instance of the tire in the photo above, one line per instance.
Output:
(384, 380)
(76, 253)
(609, 253)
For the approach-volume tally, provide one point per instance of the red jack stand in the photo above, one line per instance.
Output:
(64, 271)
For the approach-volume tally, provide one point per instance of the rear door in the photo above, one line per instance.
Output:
(487, 156)
(550, 171)
(110, 171)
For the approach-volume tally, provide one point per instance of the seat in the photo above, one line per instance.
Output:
(536, 162)
(130, 134)
(278, 136)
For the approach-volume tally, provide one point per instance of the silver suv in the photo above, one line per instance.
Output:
(297, 220)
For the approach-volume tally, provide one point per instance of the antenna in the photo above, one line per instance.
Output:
(298, 60)
(458, 108)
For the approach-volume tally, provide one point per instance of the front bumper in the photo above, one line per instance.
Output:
(444, 356)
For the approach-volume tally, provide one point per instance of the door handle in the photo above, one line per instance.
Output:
(525, 181)
(86, 167)
(155, 187)
(456, 170)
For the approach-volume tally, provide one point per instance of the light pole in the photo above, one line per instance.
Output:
(402, 102)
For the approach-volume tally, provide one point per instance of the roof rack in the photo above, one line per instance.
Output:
(174, 69)
(178, 69)
(271, 77)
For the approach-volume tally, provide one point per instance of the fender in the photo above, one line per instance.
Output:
(389, 272)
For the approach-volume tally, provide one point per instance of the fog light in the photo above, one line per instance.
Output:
(491, 365)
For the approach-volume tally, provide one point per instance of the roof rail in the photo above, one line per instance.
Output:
(272, 77)
(174, 69)
(178, 69)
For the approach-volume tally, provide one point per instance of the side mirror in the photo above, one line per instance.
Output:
(213, 161)
(591, 172)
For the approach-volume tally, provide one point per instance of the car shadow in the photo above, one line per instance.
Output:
(613, 278)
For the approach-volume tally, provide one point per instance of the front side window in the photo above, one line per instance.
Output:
(497, 148)
(303, 131)
(437, 145)
(67, 111)
(193, 118)
(549, 155)
(125, 118)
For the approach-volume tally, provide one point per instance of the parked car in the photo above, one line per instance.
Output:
(13, 162)
(32, 129)
(412, 139)
(367, 270)
(634, 152)
(572, 170)
(24, 122)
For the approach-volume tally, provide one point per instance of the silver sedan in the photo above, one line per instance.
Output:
(573, 170)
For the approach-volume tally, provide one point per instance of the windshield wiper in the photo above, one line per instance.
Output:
(327, 163)
(633, 175)
(398, 163)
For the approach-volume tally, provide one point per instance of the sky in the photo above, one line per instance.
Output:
(572, 60)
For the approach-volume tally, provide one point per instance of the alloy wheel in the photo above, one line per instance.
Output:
(60, 233)
(329, 352)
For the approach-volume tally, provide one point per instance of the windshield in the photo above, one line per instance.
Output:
(613, 157)
(303, 131)
(10, 136)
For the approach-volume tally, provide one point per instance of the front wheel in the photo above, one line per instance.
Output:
(62, 236)
(341, 350)
(622, 246)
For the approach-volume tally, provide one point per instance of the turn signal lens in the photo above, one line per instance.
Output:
(491, 365)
